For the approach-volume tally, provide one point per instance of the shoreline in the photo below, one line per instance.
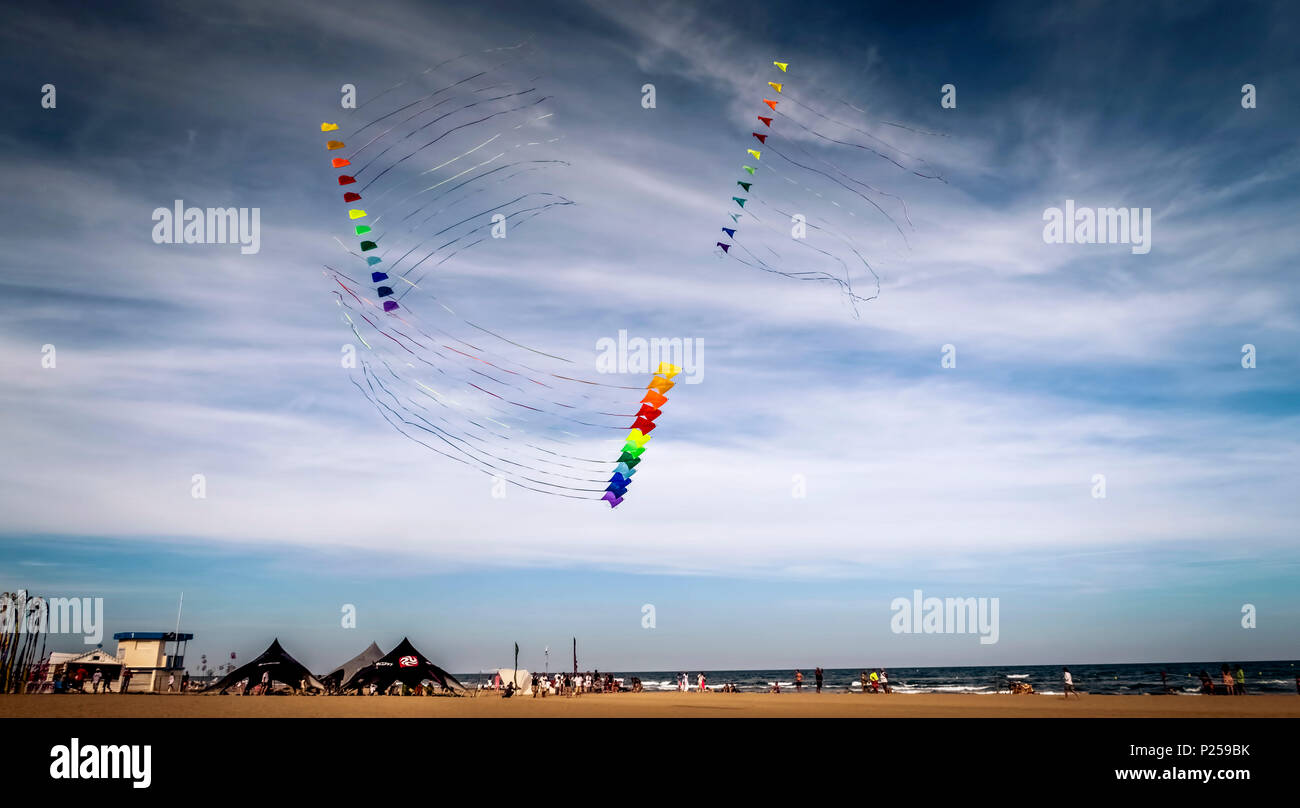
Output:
(649, 705)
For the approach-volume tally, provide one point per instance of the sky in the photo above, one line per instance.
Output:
(823, 465)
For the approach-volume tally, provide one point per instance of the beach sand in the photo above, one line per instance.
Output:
(648, 705)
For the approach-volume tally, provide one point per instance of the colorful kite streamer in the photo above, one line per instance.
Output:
(456, 158)
(651, 408)
(826, 252)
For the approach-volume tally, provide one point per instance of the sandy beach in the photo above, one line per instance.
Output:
(649, 705)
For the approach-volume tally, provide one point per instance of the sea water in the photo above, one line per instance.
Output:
(1114, 679)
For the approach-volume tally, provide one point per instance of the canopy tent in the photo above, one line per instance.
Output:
(402, 664)
(522, 678)
(275, 662)
(344, 672)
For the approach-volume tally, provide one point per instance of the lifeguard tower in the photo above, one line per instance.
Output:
(144, 653)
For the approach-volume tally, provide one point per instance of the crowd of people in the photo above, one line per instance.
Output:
(876, 681)
(569, 684)
(80, 680)
(1230, 684)
(84, 681)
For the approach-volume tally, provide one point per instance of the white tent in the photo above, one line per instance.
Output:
(522, 679)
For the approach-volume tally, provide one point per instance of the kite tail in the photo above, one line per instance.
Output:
(651, 408)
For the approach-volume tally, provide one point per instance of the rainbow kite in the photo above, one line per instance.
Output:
(376, 278)
(651, 408)
(757, 155)
(452, 385)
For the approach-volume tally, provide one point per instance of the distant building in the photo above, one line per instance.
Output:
(96, 659)
(145, 654)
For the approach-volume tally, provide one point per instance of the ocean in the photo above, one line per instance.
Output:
(1126, 679)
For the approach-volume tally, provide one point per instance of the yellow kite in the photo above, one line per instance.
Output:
(782, 65)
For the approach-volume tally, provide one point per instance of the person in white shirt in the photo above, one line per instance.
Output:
(1069, 685)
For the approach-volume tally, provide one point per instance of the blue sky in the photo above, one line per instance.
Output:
(1073, 360)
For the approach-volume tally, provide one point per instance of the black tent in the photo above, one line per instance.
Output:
(276, 662)
(344, 672)
(402, 664)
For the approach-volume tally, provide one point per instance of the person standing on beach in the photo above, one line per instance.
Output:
(126, 680)
(1069, 685)
(798, 681)
(171, 682)
(863, 679)
(884, 680)
(266, 682)
(94, 681)
(1241, 681)
(818, 674)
